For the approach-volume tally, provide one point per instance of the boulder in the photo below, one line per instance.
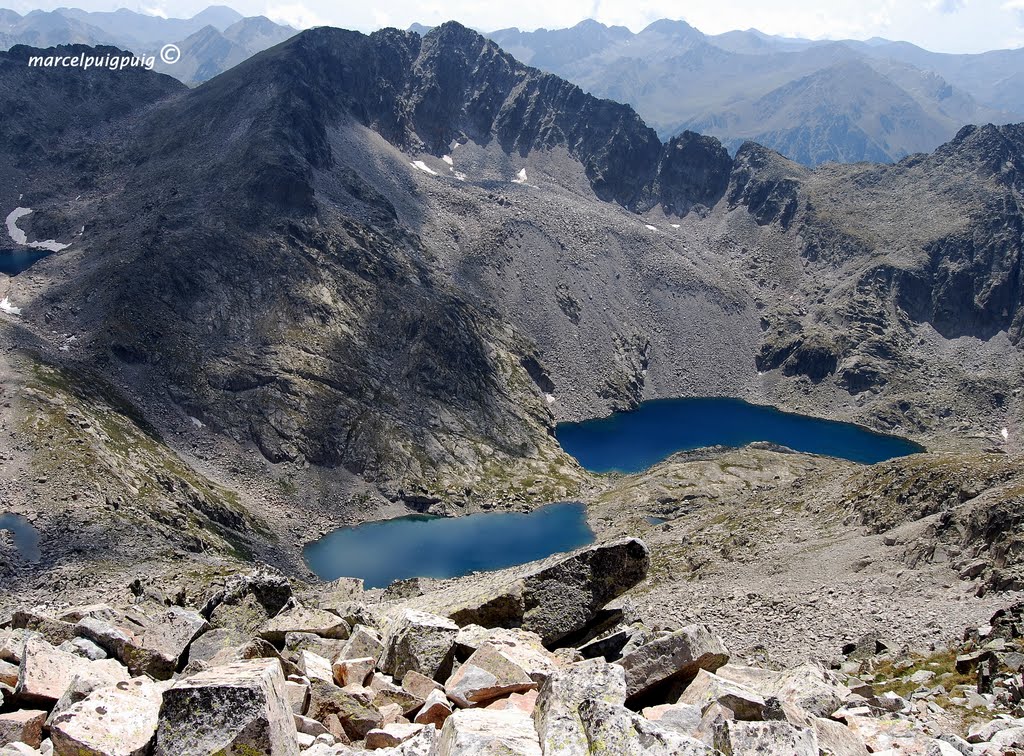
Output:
(211, 643)
(435, 710)
(247, 601)
(299, 619)
(20, 749)
(314, 667)
(836, 739)
(880, 734)
(524, 702)
(672, 660)
(307, 726)
(524, 649)
(469, 639)
(338, 591)
(52, 630)
(147, 645)
(611, 728)
(419, 685)
(813, 689)
(708, 688)
(230, 708)
(22, 726)
(983, 732)
(325, 647)
(170, 632)
(680, 717)
(357, 671)
(114, 721)
(296, 690)
(83, 647)
(421, 642)
(364, 641)
(347, 713)
(479, 732)
(11, 644)
(45, 673)
(8, 673)
(385, 692)
(556, 714)
(735, 738)
(712, 720)
(486, 675)
(391, 735)
(555, 598)
(391, 714)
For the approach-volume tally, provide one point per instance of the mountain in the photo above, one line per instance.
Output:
(142, 30)
(210, 42)
(356, 277)
(284, 254)
(210, 51)
(812, 101)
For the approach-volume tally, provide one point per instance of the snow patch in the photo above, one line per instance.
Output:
(520, 177)
(649, 227)
(448, 159)
(674, 225)
(421, 166)
(18, 236)
(1005, 433)
(549, 398)
(196, 422)
(6, 306)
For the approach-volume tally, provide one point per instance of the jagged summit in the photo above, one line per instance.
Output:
(454, 85)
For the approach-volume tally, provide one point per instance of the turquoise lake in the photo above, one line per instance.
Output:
(443, 547)
(14, 261)
(630, 442)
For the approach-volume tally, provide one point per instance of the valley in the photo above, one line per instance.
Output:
(368, 277)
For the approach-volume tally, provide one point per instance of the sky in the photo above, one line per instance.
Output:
(940, 25)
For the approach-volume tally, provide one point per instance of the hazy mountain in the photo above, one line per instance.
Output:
(210, 42)
(211, 51)
(814, 101)
(139, 29)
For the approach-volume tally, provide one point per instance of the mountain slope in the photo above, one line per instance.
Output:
(402, 259)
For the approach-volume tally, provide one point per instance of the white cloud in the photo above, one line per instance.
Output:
(295, 15)
(947, 6)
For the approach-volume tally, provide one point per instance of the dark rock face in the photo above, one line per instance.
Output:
(45, 109)
(766, 183)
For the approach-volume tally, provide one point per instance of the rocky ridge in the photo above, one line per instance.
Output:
(257, 665)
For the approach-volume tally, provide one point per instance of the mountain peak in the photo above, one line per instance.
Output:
(673, 28)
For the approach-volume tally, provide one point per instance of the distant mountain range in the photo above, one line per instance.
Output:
(814, 101)
(211, 42)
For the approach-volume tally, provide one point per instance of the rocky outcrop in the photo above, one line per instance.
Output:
(236, 708)
(669, 693)
(420, 642)
(555, 600)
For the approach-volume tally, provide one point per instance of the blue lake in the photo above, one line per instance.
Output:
(14, 261)
(443, 547)
(630, 442)
(26, 538)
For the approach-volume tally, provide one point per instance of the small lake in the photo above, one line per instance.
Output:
(630, 442)
(14, 261)
(444, 547)
(26, 538)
